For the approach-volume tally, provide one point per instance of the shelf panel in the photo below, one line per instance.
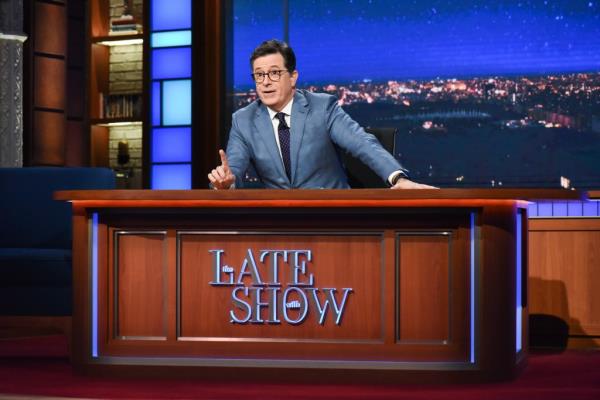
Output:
(116, 40)
(115, 121)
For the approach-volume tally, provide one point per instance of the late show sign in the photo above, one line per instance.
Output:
(256, 285)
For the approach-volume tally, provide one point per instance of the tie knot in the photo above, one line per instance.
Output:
(281, 117)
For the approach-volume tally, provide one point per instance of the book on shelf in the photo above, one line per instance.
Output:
(127, 27)
(125, 30)
(121, 106)
(125, 18)
(125, 24)
(123, 33)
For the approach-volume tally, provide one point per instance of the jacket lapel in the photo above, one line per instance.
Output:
(264, 126)
(298, 119)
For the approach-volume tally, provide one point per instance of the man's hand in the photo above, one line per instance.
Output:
(404, 183)
(221, 177)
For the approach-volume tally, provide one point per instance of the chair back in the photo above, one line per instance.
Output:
(359, 175)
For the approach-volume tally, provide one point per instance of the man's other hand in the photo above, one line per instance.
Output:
(221, 177)
(404, 183)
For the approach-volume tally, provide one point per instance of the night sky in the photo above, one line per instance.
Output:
(344, 41)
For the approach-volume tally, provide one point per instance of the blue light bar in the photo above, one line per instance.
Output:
(519, 288)
(559, 209)
(171, 14)
(172, 63)
(171, 145)
(173, 176)
(171, 39)
(156, 103)
(591, 209)
(545, 209)
(177, 102)
(532, 210)
(472, 289)
(575, 208)
(94, 299)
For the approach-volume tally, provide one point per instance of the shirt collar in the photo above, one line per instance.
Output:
(287, 110)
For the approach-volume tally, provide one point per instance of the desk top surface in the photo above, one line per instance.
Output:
(310, 198)
(594, 194)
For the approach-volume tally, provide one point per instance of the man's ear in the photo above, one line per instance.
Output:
(294, 78)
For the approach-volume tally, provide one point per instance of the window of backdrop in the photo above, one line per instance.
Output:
(482, 93)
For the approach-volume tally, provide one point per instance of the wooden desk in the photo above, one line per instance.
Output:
(594, 194)
(314, 285)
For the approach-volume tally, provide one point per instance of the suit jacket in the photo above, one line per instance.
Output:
(319, 130)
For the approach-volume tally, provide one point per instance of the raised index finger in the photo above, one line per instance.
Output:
(224, 160)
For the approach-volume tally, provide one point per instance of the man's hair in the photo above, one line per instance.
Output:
(275, 46)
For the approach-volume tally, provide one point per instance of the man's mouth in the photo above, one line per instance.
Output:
(267, 92)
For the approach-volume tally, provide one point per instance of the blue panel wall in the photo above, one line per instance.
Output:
(171, 39)
(171, 96)
(171, 145)
(172, 63)
(177, 102)
(171, 14)
(171, 176)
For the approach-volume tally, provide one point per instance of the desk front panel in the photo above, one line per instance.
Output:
(321, 286)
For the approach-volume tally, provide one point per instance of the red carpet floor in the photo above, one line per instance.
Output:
(39, 367)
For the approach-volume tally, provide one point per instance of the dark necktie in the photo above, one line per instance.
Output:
(284, 142)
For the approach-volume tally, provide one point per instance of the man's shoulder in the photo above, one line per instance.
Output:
(248, 111)
(316, 99)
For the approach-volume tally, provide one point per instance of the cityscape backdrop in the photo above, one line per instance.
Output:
(482, 93)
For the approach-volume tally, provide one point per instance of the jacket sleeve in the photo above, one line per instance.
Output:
(238, 153)
(350, 136)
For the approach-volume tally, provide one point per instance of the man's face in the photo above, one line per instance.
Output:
(274, 95)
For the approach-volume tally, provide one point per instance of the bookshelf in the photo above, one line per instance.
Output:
(116, 91)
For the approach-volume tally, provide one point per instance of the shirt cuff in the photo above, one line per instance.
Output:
(393, 176)
(214, 188)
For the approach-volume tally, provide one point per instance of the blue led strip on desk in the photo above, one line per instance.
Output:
(171, 94)
(472, 290)
(94, 273)
(519, 284)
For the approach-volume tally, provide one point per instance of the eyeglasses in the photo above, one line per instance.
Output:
(274, 75)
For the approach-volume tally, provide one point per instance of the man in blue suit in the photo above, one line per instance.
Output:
(292, 137)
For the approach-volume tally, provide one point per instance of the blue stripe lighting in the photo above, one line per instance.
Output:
(156, 103)
(95, 285)
(559, 209)
(544, 209)
(564, 209)
(472, 289)
(172, 177)
(177, 102)
(532, 210)
(575, 208)
(171, 39)
(519, 284)
(172, 63)
(591, 209)
(171, 14)
(171, 145)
